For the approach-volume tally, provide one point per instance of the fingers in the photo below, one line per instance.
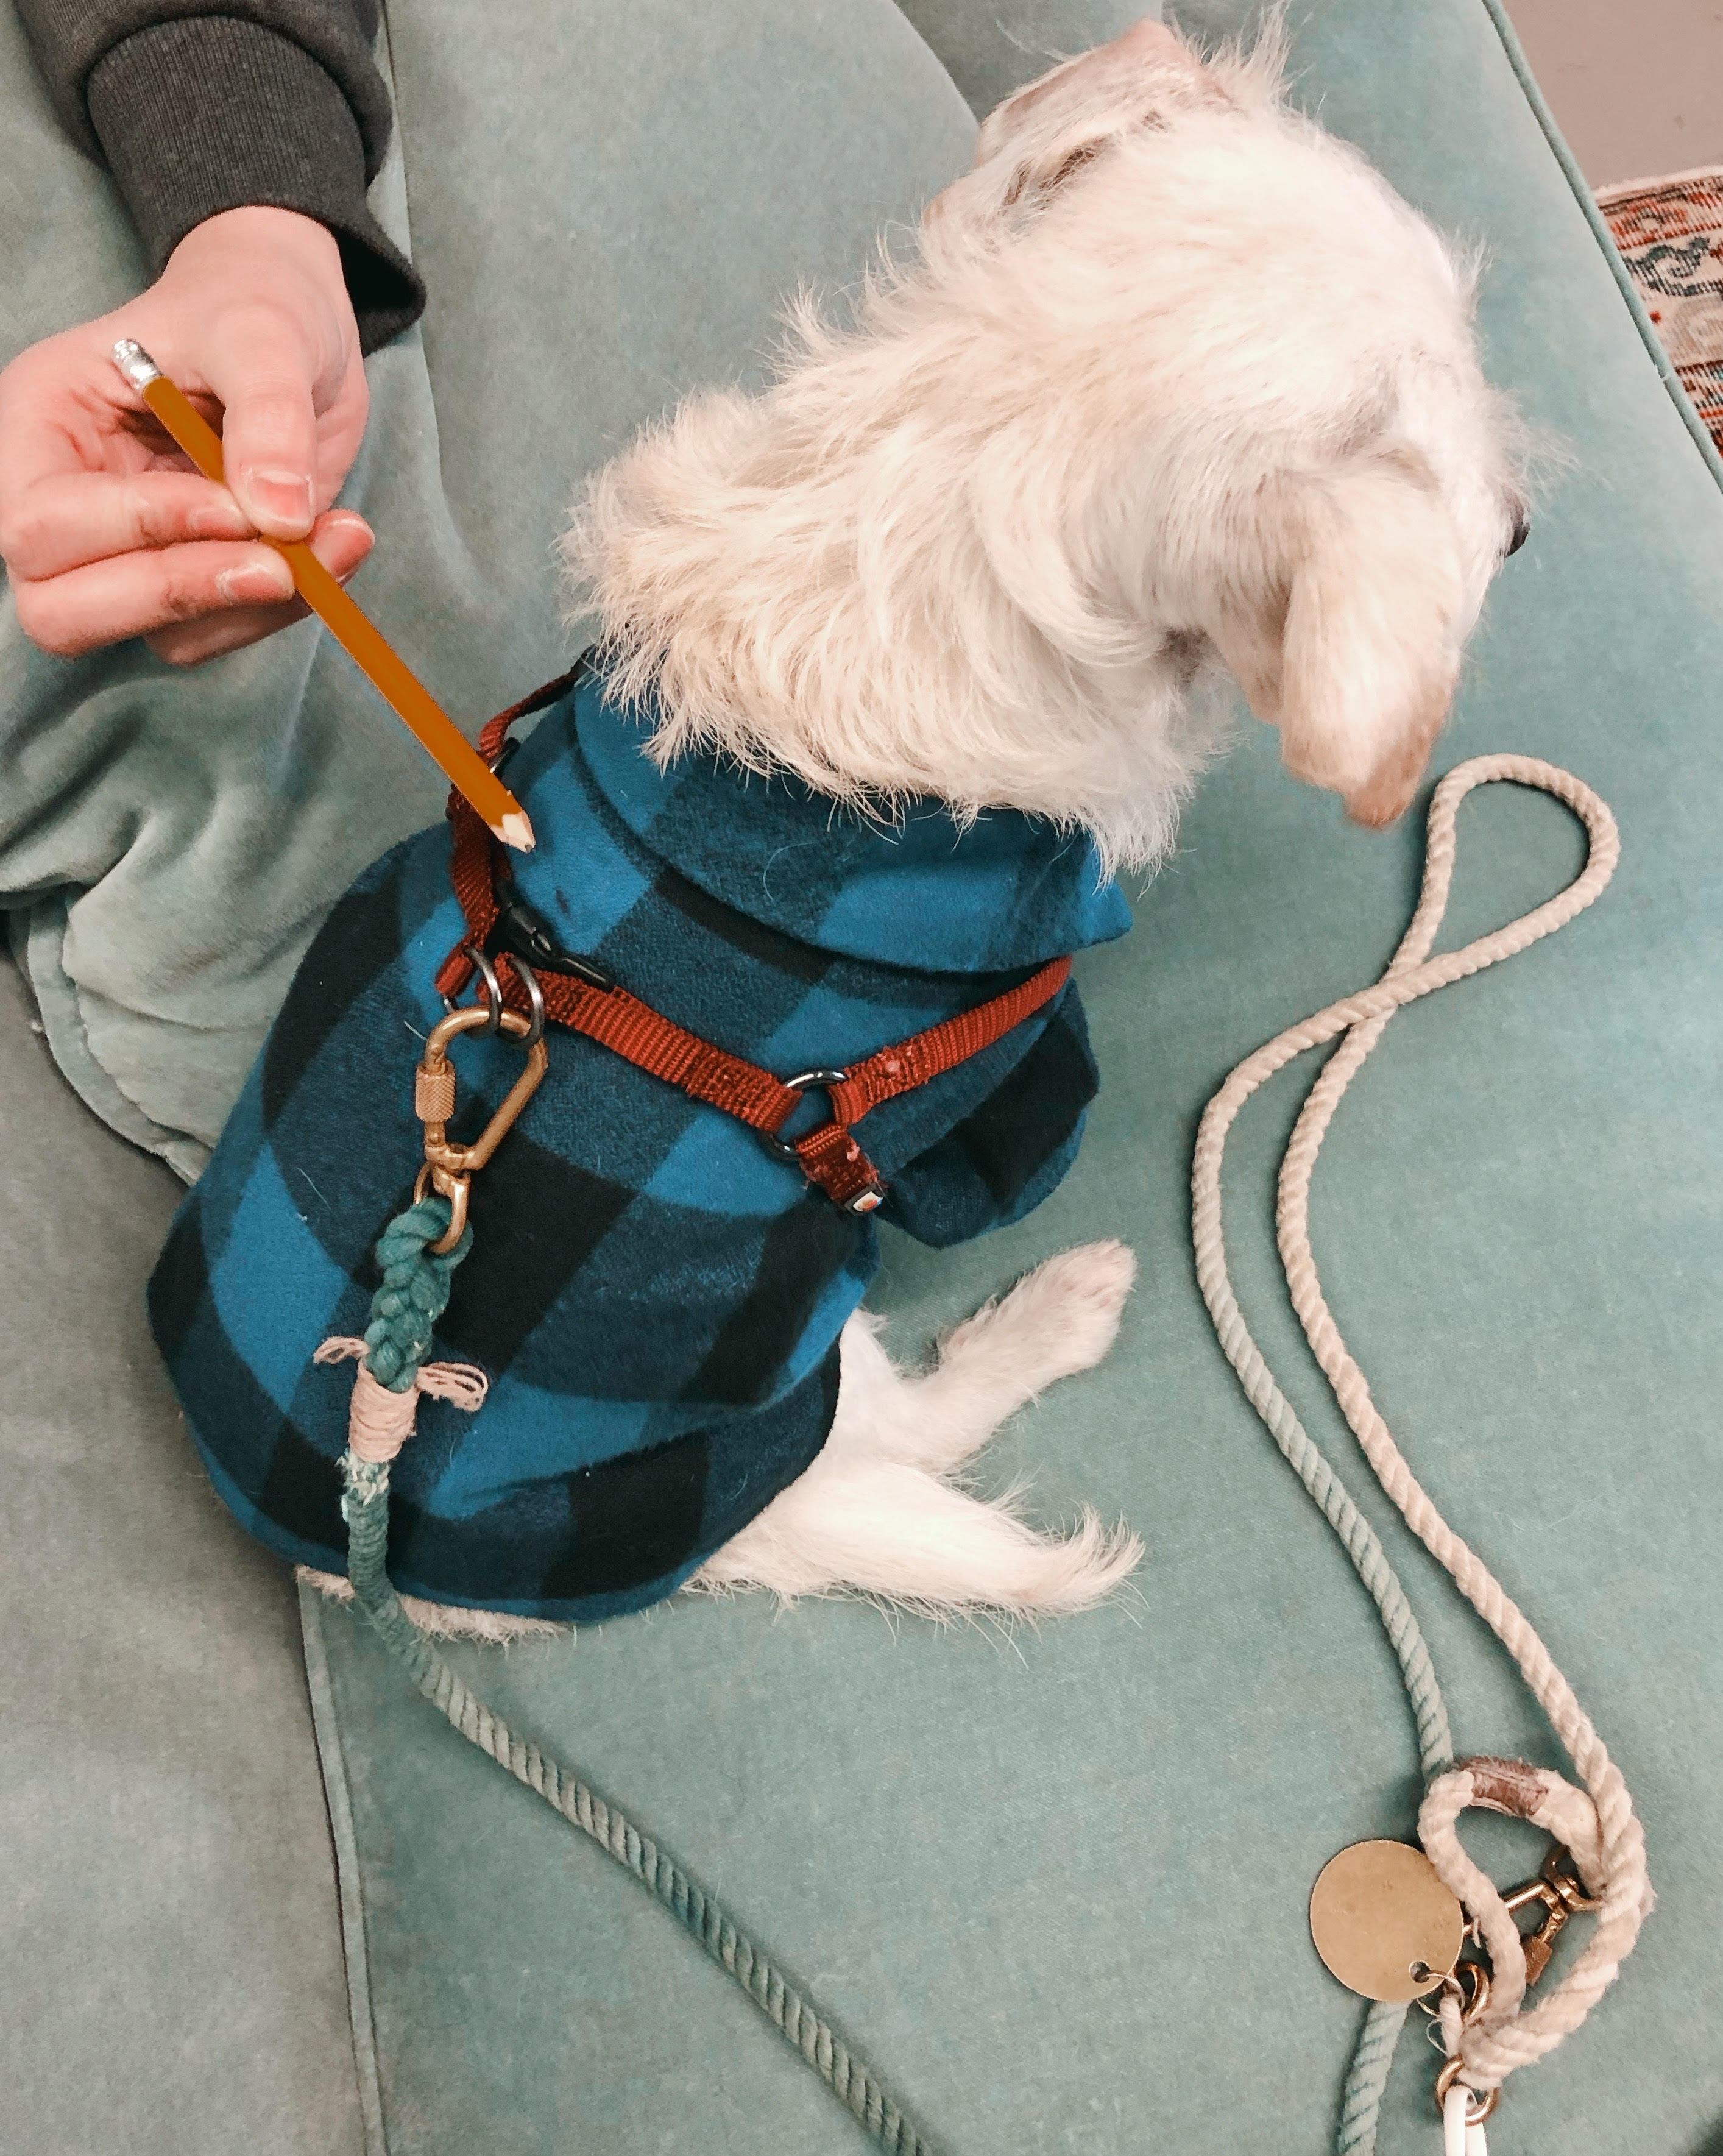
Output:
(341, 542)
(62, 521)
(135, 594)
(260, 367)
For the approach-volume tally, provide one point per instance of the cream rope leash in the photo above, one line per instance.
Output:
(1598, 1823)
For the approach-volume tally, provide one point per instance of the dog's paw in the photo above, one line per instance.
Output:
(1057, 1320)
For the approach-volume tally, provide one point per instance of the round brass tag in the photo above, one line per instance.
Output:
(1383, 1923)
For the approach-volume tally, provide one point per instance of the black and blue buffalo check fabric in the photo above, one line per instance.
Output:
(655, 1297)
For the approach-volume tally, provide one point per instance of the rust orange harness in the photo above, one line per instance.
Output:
(506, 939)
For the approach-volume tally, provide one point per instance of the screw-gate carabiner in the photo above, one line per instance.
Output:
(448, 1169)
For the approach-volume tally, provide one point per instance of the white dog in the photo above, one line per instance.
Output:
(1178, 389)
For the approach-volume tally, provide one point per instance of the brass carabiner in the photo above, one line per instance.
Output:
(1560, 1870)
(448, 1169)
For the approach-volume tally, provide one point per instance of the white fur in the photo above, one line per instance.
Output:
(879, 1513)
(444, 1620)
(1177, 387)
(1176, 382)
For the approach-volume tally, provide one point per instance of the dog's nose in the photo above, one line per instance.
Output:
(1522, 531)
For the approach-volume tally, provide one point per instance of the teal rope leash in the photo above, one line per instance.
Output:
(1379, 2034)
(1367, 2078)
(404, 1309)
(414, 1292)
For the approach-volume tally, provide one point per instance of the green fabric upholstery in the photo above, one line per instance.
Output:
(171, 1974)
(611, 205)
(1052, 1886)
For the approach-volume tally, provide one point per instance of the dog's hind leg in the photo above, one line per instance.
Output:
(874, 1515)
(875, 1527)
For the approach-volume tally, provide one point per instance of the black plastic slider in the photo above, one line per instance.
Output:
(523, 930)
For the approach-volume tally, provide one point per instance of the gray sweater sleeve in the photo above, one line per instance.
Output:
(193, 112)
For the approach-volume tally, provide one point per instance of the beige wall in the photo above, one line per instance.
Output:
(1637, 85)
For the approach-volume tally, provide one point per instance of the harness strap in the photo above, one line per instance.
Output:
(471, 869)
(830, 1156)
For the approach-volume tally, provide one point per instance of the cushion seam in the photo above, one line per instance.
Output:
(350, 1884)
(163, 1144)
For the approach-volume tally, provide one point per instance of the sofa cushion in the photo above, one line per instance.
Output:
(1054, 1885)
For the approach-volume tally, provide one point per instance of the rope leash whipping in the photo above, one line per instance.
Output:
(391, 1375)
(1597, 1823)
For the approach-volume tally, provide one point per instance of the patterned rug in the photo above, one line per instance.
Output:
(1670, 234)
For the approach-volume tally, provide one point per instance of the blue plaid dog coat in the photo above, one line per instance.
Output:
(655, 1296)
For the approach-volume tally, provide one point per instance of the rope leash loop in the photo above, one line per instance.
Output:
(1597, 1821)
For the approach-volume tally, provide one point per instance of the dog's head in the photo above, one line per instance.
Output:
(1178, 388)
(1272, 357)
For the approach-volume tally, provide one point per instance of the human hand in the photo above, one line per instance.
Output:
(107, 530)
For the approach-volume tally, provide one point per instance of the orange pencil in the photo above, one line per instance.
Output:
(465, 768)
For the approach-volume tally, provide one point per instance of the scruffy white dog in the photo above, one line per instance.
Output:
(1178, 385)
(1177, 390)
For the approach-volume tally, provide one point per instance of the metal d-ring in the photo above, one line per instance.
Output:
(799, 1084)
(493, 992)
(535, 1001)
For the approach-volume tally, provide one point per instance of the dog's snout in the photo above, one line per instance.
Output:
(1521, 532)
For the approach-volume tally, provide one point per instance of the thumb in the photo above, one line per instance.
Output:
(262, 375)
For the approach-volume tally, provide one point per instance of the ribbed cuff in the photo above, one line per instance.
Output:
(211, 113)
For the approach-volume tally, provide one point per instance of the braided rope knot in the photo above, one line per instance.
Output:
(392, 1372)
(413, 1293)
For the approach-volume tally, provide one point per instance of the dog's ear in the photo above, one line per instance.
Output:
(1050, 130)
(1369, 650)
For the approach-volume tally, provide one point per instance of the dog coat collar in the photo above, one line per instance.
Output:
(525, 970)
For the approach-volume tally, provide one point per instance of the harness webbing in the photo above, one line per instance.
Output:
(831, 1156)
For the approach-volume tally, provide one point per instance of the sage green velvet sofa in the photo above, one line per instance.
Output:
(1051, 1883)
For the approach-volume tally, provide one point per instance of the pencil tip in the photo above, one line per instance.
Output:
(515, 830)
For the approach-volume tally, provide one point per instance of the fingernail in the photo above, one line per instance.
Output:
(257, 583)
(278, 497)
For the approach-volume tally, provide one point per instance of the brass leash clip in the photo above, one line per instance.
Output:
(1469, 1982)
(448, 1169)
(1557, 1890)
